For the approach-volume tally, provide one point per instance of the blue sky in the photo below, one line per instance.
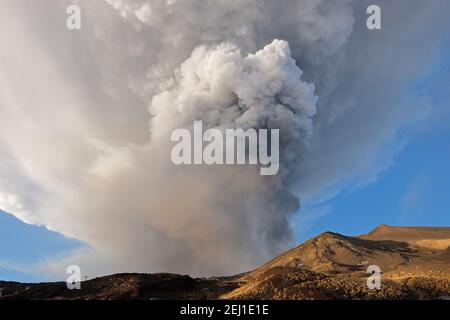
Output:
(23, 245)
(414, 190)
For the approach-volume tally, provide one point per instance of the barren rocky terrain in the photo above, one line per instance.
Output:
(415, 264)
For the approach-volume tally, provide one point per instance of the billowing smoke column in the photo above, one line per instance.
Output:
(225, 90)
(86, 118)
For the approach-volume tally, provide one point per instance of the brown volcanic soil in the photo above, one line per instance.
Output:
(426, 237)
(332, 252)
(384, 232)
(122, 287)
(333, 266)
(414, 264)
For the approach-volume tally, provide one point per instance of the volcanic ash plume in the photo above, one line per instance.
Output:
(207, 214)
(241, 214)
(226, 90)
(126, 200)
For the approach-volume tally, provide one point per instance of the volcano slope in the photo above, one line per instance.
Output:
(415, 264)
